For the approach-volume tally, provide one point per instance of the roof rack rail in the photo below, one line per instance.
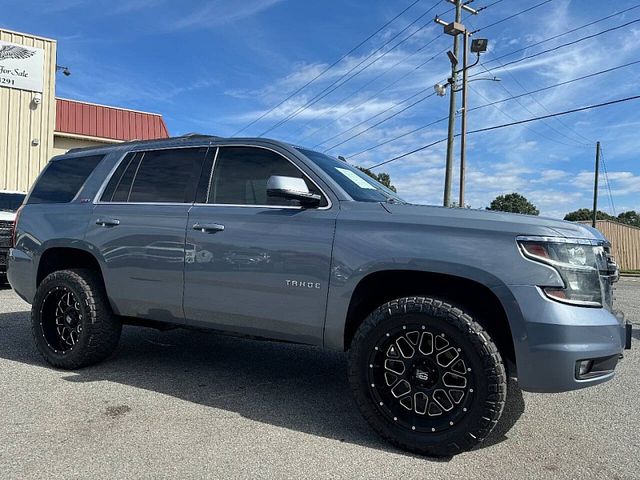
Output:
(187, 136)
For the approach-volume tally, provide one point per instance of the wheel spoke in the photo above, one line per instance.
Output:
(420, 403)
(443, 400)
(401, 388)
(454, 380)
(426, 343)
(405, 348)
(447, 357)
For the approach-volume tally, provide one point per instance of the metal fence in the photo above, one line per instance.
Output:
(625, 243)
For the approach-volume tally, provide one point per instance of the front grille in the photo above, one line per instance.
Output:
(608, 278)
(3, 259)
(6, 231)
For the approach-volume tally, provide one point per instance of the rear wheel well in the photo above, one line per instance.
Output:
(58, 258)
(476, 299)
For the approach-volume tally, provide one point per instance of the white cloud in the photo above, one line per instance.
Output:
(217, 12)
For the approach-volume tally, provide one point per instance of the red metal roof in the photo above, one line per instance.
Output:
(81, 118)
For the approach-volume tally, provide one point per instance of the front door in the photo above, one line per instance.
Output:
(258, 265)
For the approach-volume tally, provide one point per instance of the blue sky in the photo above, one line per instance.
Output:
(214, 66)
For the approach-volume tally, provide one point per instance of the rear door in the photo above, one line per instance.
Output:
(138, 227)
(262, 266)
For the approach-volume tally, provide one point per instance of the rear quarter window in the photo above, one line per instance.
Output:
(62, 179)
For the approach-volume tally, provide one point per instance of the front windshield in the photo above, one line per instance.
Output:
(360, 186)
(10, 202)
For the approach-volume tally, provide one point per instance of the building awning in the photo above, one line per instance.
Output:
(101, 121)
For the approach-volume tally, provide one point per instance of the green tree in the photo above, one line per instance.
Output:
(383, 178)
(630, 218)
(585, 214)
(513, 203)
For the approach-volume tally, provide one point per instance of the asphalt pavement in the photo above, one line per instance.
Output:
(181, 404)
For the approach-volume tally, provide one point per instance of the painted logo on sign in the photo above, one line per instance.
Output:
(21, 67)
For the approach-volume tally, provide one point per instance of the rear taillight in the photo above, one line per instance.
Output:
(15, 227)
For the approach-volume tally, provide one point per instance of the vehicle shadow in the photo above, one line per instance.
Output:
(291, 386)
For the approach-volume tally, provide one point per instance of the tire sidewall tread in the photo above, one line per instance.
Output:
(101, 329)
(483, 414)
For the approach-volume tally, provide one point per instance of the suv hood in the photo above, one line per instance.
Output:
(491, 220)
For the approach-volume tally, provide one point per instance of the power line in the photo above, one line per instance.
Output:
(371, 118)
(336, 84)
(557, 114)
(534, 55)
(511, 124)
(424, 147)
(511, 16)
(547, 124)
(588, 37)
(313, 132)
(381, 122)
(378, 114)
(532, 92)
(567, 32)
(511, 117)
(490, 5)
(374, 95)
(606, 178)
(535, 99)
(329, 67)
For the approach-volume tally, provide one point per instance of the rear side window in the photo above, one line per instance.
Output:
(162, 176)
(62, 179)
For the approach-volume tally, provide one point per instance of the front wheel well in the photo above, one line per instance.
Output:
(475, 298)
(61, 258)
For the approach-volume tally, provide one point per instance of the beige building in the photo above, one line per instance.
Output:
(35, 125)
(27, 117)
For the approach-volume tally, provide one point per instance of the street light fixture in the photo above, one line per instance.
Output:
(479, 45)
(65, 70)
(441, 90)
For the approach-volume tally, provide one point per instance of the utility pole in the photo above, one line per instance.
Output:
(448, 175)
(595, 187)
(463, 126)
(454, 29)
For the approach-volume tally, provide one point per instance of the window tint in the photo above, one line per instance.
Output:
(117, 190)
(241, 173)
(63, 178)
(163, 176)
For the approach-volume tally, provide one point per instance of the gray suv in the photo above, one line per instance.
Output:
(254, 237)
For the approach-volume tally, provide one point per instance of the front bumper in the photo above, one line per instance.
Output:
(553, 338)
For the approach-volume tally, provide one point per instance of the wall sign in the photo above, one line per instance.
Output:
(21, 67)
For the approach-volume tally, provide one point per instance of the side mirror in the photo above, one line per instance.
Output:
(292, 188)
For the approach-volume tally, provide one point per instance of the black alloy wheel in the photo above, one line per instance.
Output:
(61, 319)
(420, 378)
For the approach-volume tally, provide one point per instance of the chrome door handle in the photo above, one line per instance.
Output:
(108, 222)
(208, 227)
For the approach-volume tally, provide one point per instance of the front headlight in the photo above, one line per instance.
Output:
(578, 262)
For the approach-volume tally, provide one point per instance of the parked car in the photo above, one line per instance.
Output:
(9, 204)
(434, 306)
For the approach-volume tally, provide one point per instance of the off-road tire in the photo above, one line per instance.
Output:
(486, 374)
(100, 327)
